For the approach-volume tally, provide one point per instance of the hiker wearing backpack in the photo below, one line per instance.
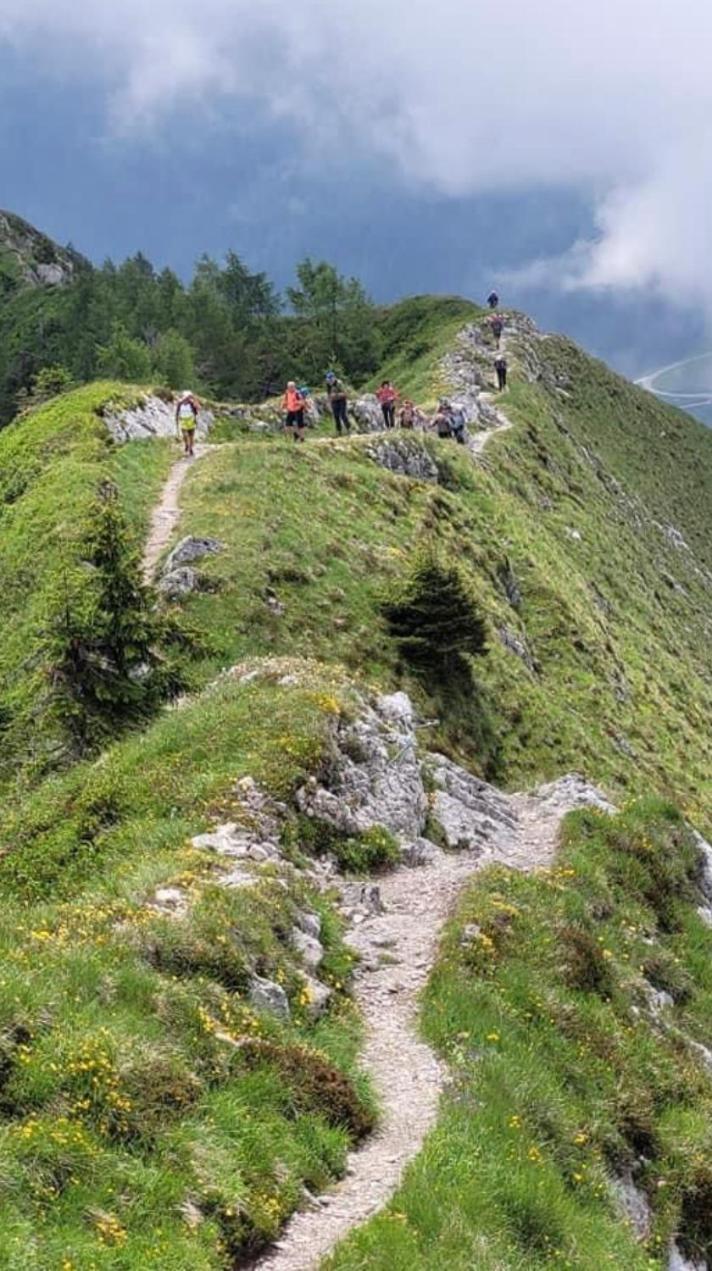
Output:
(500, 366)
(388, 396)
(493, 300)
(187, 409)
(293, 405)
(407, 414)
(457, 424)
(442, 420)
(497, 326)
(338, 402)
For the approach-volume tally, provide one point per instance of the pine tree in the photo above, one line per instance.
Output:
(105, 665)
(434, 621)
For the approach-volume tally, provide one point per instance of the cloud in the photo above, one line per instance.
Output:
(610, 98)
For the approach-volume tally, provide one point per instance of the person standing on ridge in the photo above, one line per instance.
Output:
(493, 300)
(338, 402)
(388, 396)
(500, 366)
(293, 404)
(187, 409)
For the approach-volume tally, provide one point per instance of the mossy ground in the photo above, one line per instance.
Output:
(560, 1080)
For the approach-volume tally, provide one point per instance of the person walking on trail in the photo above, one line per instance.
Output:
(338, 402)
(293, 404)
(407, 414)
(442, 420)
(388, 396)
(497, 326)
(500, 366)
(187, 410)
(457, 424)
(493, 300)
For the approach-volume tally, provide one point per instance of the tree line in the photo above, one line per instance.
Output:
(228, 332)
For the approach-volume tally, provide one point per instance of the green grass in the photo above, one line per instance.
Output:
(134, 1135)
(560, 1081)
(188, 1152)
(52, 462)
(622, 685)
(416, 333)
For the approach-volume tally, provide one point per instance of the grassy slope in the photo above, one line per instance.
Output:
(327, 532)
(416, 334)
(616, 618)
(51, 463)
(560, 1083)
(125, 1110)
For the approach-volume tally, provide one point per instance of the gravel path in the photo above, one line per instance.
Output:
(166, 513)
(398, 949)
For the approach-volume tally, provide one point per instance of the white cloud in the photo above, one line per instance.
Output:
(612, 98)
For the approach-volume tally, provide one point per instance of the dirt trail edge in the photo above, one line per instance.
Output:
(398, 949)
(166, 513)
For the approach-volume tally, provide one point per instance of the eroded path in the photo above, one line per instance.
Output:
(166, 513)
(398, 948)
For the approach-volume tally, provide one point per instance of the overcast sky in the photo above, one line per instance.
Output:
(561, 148)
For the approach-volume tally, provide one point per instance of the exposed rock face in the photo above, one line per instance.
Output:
(39, 262)
(518, 647)
(471, 814)
(633, 1204)
(375, 776)
(367, 412)
(151, 417)
(404, 455)
(191, 549)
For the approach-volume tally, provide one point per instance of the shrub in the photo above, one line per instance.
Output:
(314, 1084)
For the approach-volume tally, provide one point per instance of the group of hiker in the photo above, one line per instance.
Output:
(448, 420)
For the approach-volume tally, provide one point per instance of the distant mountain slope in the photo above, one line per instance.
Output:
(29, 258)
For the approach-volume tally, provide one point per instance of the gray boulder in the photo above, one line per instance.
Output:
(309, 948)
(179, 583)
(266, 995)
(367, 412)
(150, 417)
(191, 549)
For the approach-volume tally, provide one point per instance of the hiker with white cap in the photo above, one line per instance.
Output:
(187, 419)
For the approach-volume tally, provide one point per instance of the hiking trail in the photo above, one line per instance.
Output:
(166, 513)
(398, 948)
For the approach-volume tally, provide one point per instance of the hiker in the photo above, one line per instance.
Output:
(338, 402)
(457, 424)
(497, 325)
(293, 404)
(388, 396)
(500, 366)
(442, 420)
(493, 300)
(187, 409)
(407, 414)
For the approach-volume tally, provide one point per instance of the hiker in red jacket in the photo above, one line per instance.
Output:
(388, 396)
(293, 405)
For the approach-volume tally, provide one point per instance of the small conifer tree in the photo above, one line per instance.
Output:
(105, 666)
